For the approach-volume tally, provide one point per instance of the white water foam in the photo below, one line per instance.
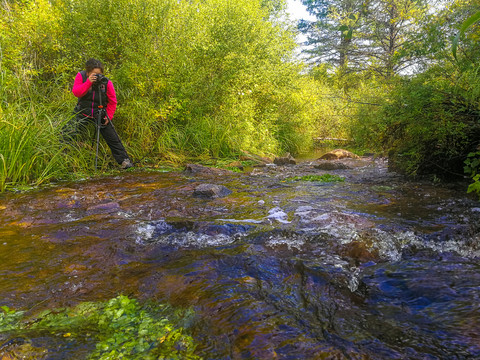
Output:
(194, 240)
(161, 232)
(144, 233)
(277, 214)
(291, 242)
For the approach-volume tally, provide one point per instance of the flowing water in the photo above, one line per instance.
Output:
(375, 267)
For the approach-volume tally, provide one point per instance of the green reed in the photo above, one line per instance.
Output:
(30, 150)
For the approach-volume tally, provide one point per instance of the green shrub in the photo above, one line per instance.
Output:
(430, 124)
(472, 168)
(121, 328)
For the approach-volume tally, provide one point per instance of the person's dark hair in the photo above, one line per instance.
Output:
(93, 64)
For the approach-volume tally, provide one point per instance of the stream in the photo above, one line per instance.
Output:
(372, 267)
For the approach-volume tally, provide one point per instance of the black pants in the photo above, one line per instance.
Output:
(80, 123)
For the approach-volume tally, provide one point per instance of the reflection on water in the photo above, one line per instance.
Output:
(372, 268)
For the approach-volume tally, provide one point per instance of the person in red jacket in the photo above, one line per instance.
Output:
(96, 94)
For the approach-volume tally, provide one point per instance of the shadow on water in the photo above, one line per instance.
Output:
(370, 268)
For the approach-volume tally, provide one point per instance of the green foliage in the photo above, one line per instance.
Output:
(364, 123)
(321, 110)
(196, 77)
(472, 163)
(475, 186)
(121, 328)
(193, 78)
(428, 123)
(10, 319)
(319, 178)
(469, 22)
(429, 127)
(472, 168)
(357, 36)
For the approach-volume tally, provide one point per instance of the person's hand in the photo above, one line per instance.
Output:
(105, 120)
(92, 77)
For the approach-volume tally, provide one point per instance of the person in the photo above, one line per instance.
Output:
(92, 90)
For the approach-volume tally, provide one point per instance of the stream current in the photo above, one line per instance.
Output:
(375, 267)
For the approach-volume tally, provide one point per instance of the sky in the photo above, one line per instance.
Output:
(297, 10)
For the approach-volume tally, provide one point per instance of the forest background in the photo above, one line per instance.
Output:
(214, 79)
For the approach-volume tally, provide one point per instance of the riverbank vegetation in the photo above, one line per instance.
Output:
(120, 328)
(217, 78)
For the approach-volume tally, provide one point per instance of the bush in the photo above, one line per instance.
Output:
(472, 168)
(431, 125)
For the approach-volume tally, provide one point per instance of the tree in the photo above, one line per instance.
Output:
(374, 35)
(393, 25)
(333, 36)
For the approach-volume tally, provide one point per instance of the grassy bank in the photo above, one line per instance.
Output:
(208, 79)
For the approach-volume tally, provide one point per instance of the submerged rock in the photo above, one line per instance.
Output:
(330, 165)
(360, 252)
(195, 169)
(339, 154)
(211, 191)
(19, 348)
(285, 160)
(110, 206)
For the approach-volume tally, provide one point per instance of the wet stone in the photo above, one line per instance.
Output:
(256, 159)
(285, 160)
(211, 191)
(360, 252)
(195, 169)
(330, 165)
(339, 154)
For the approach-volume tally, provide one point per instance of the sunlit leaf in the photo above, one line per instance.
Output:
(466, 24)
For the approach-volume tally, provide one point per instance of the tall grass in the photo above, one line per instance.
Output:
(33, 149)
(29, 152)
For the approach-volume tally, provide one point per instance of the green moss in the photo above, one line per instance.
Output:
(320, 178)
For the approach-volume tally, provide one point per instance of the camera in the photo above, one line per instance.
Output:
(101, 79)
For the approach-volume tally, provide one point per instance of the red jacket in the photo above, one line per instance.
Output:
(83, 90)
